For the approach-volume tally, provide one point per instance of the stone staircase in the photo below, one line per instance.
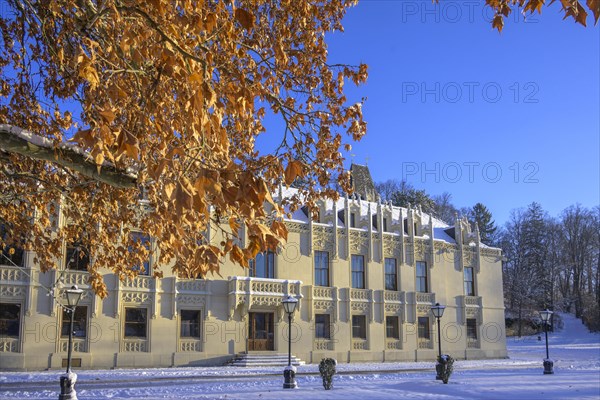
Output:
(263, 359)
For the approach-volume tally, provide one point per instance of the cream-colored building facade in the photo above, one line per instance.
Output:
(366, 275)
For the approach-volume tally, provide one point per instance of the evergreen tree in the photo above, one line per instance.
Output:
(482, 217)
(409, 195)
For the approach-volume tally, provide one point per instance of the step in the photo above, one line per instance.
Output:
(264, 359)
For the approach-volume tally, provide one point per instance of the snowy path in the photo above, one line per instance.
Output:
(575, 351)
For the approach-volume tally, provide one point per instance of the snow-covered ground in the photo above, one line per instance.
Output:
(576, 355)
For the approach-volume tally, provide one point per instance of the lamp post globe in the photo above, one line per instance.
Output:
(68, 380)
(289, 373)
(545, 315)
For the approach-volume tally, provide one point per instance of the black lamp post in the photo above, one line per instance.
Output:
(438, 312)
(289, 373)
(548, 363)
(67, 381)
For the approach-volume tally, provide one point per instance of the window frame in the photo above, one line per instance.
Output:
(136, 323)
(359, 327)
(7, 323)
(469, 285)
(326, 327)
(269, 266)
(395, 327)
(190, 326)
(423, 328)
(73, 251)
(359, 274)
(471, 329)
(66, 321)
(386, 274)
(421, 279)
(321, 271)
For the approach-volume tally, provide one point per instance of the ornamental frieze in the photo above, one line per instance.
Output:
(296, 227)
(12, 291)
(358, 242)
(190, 299)
(135, 297)
(323, 238)
(323, 305)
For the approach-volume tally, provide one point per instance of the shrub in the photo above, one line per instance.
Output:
(327, 370)
(444, 367)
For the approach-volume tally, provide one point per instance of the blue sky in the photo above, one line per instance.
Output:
(452, 105)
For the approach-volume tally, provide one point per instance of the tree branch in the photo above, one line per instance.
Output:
(15, 140)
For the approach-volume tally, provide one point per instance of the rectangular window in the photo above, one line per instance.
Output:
(469, 282)
(391, 274)
(421, 284)
(358, 272)
(472, 328)
(385, 225)
(352, 220)
(143, 240)
(321, 268)
(76, 258)
(136, 322)
(359, 327)
(79, 322)
(10, 320)
(392, 329)
(322, 326)
(263, 265)
(424, 328)
(190, 324)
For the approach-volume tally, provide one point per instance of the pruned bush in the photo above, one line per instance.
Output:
(327, 370)
(444, 367)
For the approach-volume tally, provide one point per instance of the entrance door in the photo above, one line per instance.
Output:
(260, 332)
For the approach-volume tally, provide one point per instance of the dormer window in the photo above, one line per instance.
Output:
(352, 220)
(385, 229)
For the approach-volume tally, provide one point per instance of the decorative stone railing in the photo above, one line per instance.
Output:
(9, 345)
(473, 343)
(391, 296)
(139, 283)
(323, 345)
(134, 345)
(140, 290)
(421, 297)
(247, 293)
(394, 303)
(16, 285)
(322, 300)
(192, 285)
(472, 301)
(190, 345)
(471, 308)
(191, 293)
(12, 275)
(360, 301)
(425, 343)
(393, 344)
(361, 294)
(79, 345)
(360, 344)
(79, 278)
(324, 292)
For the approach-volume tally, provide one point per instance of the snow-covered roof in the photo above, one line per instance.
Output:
(398, 214)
